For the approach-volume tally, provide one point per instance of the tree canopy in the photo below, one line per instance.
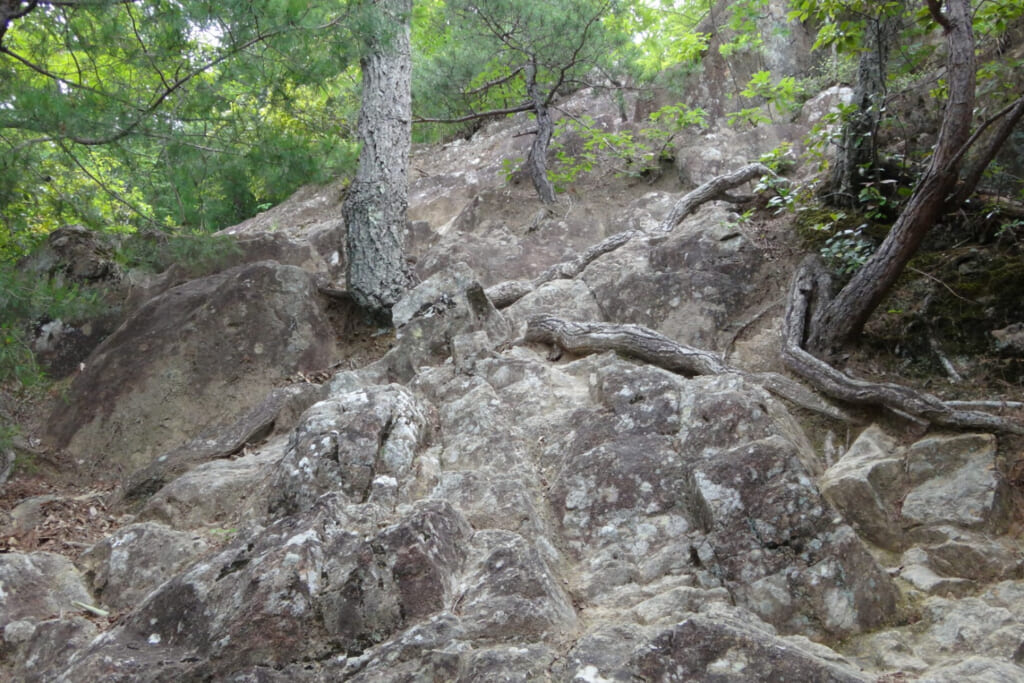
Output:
(152, 114)
(188, 115)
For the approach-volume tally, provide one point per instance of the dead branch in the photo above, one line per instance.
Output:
(716, 188)
(505, 294)
(838, 385)
(651, 347)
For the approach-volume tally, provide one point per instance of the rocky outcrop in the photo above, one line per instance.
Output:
(476, 507)
(511, 503)
(194, 357)
(75, 256)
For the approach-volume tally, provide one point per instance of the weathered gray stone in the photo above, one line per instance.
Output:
(278, 411)
(1009, 340)
(724, 646)
(780, 549)
(976, 669)
(218, 495)
(433, 648)
(46, 647)
(866, 484)
(568, 299)
(924, 579)
(953, 551)
(449, 304)
(467, 349)
(522, 664)
(196, 356)
(125, 566)
(665, 607)
(478, 430)
(1008, 594)
(38, 586)
(889, 650)
(602, 654)
(347, 443)
(511, 595)
(491, 502)
(687, 285)
(309, 218)
(964, 625)
(955, 480)
(300, 589)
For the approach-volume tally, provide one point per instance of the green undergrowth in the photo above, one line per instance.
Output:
(954, 299)
(197, 253)
(27, 300)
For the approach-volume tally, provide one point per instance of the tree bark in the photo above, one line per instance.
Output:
(857, 160)
(377, 203)
(831, 382)
(651, 347)
(537, 161)
(716, 188)
(1010, 116)
(845, 316)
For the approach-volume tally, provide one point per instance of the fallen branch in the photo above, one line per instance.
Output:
(651, 347)
(838, 385)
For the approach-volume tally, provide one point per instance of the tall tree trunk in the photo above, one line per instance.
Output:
(537, 161)
(845, 315)
(857, 162)
(377, 203)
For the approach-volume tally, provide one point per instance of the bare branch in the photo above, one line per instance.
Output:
(474, 117)
(490, 84)
(1011, 115)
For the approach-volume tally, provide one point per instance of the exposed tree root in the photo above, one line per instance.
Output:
(716, 188)
(807, 299)
(804, 294)
(505, 294)
(649, 346)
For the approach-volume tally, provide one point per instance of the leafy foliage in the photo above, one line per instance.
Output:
(486, 46)
(195, 251)
(119, 115)
(581, 145)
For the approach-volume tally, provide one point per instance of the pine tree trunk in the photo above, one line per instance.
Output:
(845, 315)
(857, 160)
(377, 202)
(536, 162)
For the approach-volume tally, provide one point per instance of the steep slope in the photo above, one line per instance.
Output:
(472, 506)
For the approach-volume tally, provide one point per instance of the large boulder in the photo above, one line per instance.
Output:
(302, 589)
(688, 284)
(195, 356)
(943, 497)
(39, 586)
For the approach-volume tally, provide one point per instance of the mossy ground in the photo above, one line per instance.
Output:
(949, 302)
